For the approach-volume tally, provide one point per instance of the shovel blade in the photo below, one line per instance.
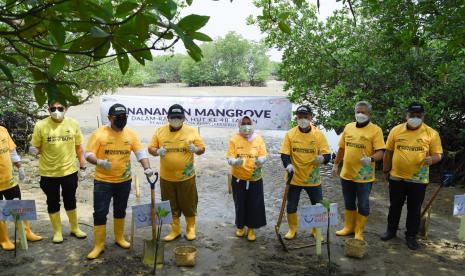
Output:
(280, 239)
(149, 253)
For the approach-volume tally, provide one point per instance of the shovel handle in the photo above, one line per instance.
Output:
(152, 183)
(283, 202)
(430, 203)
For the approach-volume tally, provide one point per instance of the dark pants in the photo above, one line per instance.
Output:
(103, 193)
(10, 194)
(400, 190)
(182, 196)
(314, 193)
(357, 196)
(51, 187)
(249, 204)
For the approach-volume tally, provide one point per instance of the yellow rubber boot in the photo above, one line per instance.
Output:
(250, 235)
(240, 232)
(74, 226)
(175, 230)
(360, 226)
(190, 228)
(100, 233)
(30, 236)
(55, 219)
(314, 234)
(118, 227)
(5, 242)
(349, 224)
(292, 221)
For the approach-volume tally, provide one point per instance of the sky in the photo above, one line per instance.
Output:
(226, 16)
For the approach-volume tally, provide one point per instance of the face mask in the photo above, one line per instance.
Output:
(176, 122)
(246, 129)
(414, 122)
(120, 122)
(57, 115)
(303, 123)
(361, 118)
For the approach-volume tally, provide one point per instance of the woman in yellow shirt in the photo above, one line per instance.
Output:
(246, 155)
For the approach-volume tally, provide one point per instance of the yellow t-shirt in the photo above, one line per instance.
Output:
(106, 143)
(6, 167)
(303, 149)
(240, 147)
(178, 163)
(410, 147)
(57, 142)
(359, 142)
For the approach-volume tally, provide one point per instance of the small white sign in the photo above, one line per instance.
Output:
(316, 216)
(459, 205)
(26, 209)
(142, 214)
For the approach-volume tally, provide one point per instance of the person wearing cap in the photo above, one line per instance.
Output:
(246, 155)
(411, 148)
(303, 150)
(176, 143)
(58, 141)
(360, 146)
(9, 188)
(109, 148)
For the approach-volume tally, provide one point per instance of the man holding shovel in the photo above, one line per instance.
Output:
(303, 150)
(109, 148)
(176, 143)
(9, 189)
(411, 148)
(360, 145)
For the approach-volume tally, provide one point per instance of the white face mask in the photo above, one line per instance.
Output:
(361, 118)
(246, 129)
(303, 123)
(414, 122)
(176, 122)
(57, 115)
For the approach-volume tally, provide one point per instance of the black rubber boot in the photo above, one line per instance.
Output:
(412, 243)
(388, 235)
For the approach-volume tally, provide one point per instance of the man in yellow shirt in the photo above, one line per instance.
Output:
(411, 148)
(109, 148)
(176, 143)
(58, 140)
(303, 150)
(360, 145)
(9, 189)
(246, 155)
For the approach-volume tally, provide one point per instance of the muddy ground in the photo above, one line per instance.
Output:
(219, 251)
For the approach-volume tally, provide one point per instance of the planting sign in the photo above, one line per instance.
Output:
(268, 113)
(316, 216)
(459, 205)
(142, 215)
(26, 209)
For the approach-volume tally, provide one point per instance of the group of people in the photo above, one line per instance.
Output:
(410, 149)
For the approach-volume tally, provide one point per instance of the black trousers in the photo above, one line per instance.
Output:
(10, 194)
(414, 193)
(249, 204)
(51, 187)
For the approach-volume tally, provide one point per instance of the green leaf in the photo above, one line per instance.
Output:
(284, 27)
(142, 27)
(67, 93)
(123, 59)
(53, 93)
(85, 43)
(200, 36)
(7, 72)
(39, 94)
(193, 22)
(100, 12)
(298, 3)
(9, 59)
(167, 8)
(98, 33)
(56, 64)
(37, 74)
(192, 49)
(102, 51)
(189, 2)
(125, 8)
(58, 32)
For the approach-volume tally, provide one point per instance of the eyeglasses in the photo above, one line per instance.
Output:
(55, 108)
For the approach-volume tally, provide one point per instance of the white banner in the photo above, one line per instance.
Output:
(271, 113)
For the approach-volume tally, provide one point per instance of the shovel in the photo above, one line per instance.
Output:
(425, 215)
(281, 212)
(150, 245)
